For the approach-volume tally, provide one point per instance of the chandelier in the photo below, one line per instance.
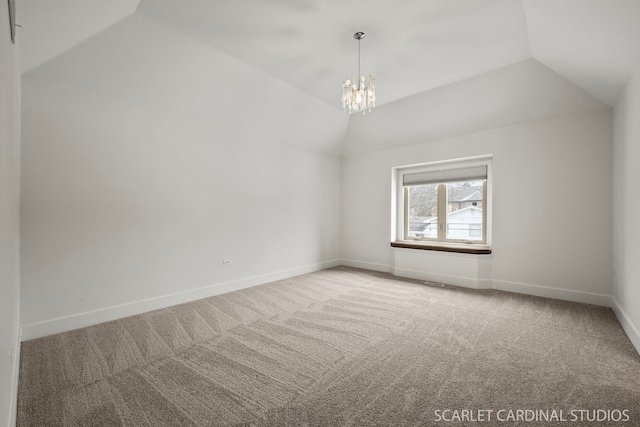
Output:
(359, 95)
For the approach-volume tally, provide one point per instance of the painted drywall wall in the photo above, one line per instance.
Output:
(551, 205)
(141, 174)
(9, 220)
(626, 247)
(518, 93)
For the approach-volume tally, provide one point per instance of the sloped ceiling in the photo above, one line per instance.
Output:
(593, 43)
(51, 27)
(416, 49)
(310, 43)
(517, 93)
(140, 62)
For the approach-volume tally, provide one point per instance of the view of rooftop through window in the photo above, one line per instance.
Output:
(464, 204)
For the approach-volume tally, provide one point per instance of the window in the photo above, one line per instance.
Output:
(443, 206)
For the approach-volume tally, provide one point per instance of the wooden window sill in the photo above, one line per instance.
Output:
(467, 249)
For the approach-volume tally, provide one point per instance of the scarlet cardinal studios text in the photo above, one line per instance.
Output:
(573, 415)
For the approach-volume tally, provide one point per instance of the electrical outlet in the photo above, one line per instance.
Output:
(226, 262)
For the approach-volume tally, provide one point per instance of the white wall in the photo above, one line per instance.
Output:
(518, 93)
(9, 219)
(543, 173)
(626, 247)
(146, 163)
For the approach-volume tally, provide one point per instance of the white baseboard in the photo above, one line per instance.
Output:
(13, 404)
(366, 265)
(477, 283)
(632, 330)
(465, 282)
(37, 330)
(555, 293)
(80, 320)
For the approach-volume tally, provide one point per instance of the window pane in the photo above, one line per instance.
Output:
(464, 210)
(423, 211)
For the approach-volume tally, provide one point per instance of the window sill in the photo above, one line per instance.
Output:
(447, 247)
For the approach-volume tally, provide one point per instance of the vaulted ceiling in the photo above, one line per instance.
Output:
(412, 47)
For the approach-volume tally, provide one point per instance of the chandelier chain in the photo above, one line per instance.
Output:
(358, 75)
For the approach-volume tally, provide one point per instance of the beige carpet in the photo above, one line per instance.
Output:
(339, 347)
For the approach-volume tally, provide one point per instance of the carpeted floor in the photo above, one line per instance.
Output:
(339, 347)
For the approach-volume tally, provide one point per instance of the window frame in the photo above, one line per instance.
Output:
(400, 222)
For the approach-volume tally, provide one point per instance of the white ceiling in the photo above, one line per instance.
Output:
(50, 27)
(521, 92)
(593, 43)
(411, 46)
(310, 44)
